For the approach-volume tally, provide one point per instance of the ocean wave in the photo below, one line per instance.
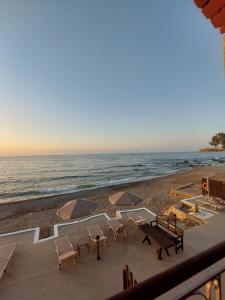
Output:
(44, 179)
(127, 166)
(9, 181)
(47, 192)
(69, 177)
(38, 193)
(103, 172)
(58, 190)
(122, 180)
(19, 194)
(86, 186)
(145, 169)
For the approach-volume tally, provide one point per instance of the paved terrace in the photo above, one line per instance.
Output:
(33, 273)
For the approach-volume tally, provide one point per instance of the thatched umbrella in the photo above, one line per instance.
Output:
(76, 209)
(125, 199)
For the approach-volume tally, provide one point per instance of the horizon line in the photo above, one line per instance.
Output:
(95, 153)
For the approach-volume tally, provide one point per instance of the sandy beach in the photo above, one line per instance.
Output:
(158, 194)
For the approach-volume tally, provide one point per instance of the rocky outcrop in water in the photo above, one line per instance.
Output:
(212, 149)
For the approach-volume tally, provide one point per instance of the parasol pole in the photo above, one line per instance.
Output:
(79, 229)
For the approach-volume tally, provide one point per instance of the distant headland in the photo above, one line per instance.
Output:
(212, 149)
(217, 142)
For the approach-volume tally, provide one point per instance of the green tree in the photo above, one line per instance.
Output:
(218, 140)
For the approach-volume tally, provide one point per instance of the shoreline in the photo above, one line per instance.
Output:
(158, 194)
(97, 188)
(30, 188)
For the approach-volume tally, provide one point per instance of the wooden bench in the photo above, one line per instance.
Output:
(171, 230)
(159, 236)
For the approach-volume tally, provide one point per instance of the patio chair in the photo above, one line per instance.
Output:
(6, 254)
(136, 219)
(118, 229)
(93, 232)
(64, 250)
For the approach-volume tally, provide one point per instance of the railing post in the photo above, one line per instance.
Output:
(218, 288)
(214, 285)
(128, 278)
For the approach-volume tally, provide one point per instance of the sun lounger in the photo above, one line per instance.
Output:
(136, 219)
(209, 202)
(117, 228)
(6, 253)
(64, 250)
(93, 232)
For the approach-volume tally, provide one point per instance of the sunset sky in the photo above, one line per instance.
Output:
(108, 76)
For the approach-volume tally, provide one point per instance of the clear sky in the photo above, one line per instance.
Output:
(108, 76)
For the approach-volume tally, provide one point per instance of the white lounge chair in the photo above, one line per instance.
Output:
(64, 250)
(136, 219)
(118, 229)
(93, 232)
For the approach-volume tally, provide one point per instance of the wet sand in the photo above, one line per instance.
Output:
(158, 194)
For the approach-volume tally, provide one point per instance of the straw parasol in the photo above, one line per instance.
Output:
(125, 199)
(76, 209)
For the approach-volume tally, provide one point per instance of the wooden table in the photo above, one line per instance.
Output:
(159, 236)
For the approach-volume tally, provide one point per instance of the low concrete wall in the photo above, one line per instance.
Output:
(56, 226)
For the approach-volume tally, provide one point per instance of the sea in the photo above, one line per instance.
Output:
(28, 177)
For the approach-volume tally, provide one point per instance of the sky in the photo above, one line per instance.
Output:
(98, 76)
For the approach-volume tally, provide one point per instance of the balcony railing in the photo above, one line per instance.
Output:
(205, 287)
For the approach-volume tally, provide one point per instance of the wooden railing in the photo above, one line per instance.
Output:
(169, 279)
(209, 286)
(128, 278)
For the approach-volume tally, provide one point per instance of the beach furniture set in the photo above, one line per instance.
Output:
(162, 231)
(166, 235)
(79, 208)
(65, 250)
